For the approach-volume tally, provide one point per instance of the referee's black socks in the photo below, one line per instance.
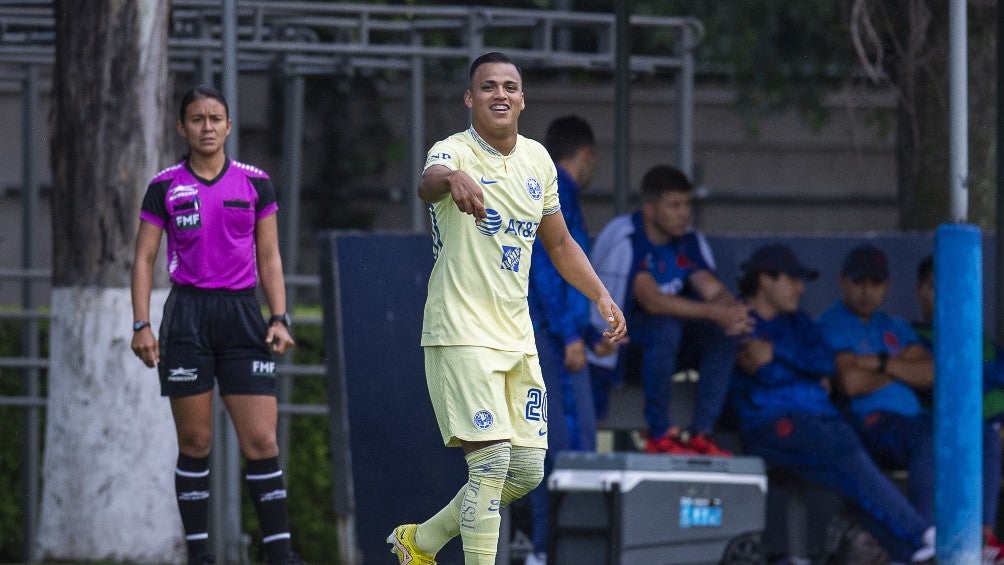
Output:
(265, 485)
(191, 485)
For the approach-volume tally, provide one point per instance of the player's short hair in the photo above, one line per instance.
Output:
(492, 57)
(566, 135)
(925, 269)
(662, 179)
(198, 93)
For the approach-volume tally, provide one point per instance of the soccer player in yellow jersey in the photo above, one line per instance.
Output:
(491, 192)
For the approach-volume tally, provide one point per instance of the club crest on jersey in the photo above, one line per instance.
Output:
(533, 188)
(490, 224)
(510, 258)
(484, 420)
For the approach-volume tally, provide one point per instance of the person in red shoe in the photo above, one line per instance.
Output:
(681, 314)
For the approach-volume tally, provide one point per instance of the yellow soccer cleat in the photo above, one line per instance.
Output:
(407, 551)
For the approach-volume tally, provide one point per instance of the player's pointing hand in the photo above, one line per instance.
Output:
(467, 194)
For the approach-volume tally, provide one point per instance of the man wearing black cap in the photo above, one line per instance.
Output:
(785, 414)
(880, 361)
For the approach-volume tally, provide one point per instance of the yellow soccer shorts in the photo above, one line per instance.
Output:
(484, 394)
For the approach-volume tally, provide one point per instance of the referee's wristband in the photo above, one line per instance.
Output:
(280, 318)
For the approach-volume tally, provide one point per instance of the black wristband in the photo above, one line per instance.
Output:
(282, 318)
(883, 361)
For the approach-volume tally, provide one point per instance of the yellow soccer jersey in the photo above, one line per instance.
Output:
(478, 286)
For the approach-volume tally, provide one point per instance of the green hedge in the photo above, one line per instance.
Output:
(308, 471)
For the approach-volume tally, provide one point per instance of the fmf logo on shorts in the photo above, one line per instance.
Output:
(263, 367)
(188, 221)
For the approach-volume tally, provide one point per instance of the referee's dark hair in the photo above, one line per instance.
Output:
(661, 179)
(566, 135)
(199, 92)
(493, 57)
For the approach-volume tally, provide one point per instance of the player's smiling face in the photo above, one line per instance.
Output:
(206, 126)
(495, 98)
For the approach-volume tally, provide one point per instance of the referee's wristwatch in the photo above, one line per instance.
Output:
(283, 319)
(140, 324)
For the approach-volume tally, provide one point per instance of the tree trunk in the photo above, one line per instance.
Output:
(110, 447)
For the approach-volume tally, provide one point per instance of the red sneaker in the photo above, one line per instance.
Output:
(993, 549)
(704, 444)
(669, 442)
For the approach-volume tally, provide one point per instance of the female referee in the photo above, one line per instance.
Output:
(220, 221)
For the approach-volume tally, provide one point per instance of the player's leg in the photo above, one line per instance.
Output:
(528, 411)
(467, 388)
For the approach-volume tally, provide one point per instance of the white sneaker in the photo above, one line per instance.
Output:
(927, 551)
(538, 558)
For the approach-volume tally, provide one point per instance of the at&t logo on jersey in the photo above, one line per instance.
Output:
(491, 223)
(484, 420)
(523, 228)
(533, 188)
(510, 258)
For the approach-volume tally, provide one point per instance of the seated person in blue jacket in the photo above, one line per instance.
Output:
(880, 365)
(780, 395)
(681, 314)
(993, 406)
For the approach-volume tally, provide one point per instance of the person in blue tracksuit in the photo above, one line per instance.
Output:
(993, 407)
(780, 394)
(880, 366)
(682, 315)
(560, 316)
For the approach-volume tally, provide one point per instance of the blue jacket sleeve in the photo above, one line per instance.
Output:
(550, 289)
(799, 353)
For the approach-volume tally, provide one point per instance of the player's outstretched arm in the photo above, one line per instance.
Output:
(438, 181)
(574, 266)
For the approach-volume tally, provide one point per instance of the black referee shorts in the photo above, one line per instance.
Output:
(210, 333)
